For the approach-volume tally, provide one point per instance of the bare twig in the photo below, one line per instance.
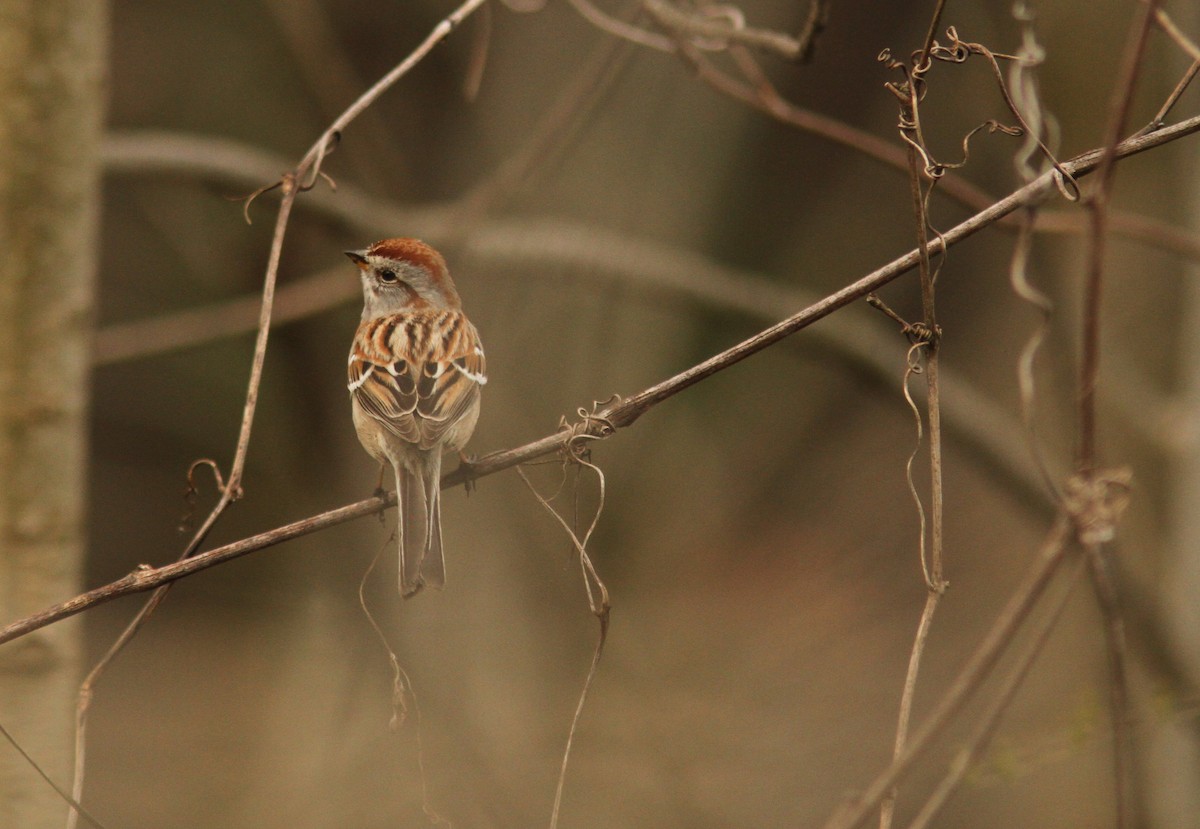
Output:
(290, 190)
(310, 165)
(597, 593)
(958, 51)
(629, 410)
(1160, 118)
(148, 578)
(1164, 22)
(764, 98)
(231, 490)
(1052, 553)
(927, 347)
(935, 20)
(989, 719)
(887, 808)
(76, 806)
(1185, 43)
(325, 65)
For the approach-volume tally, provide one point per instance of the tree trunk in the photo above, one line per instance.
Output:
(52, 57)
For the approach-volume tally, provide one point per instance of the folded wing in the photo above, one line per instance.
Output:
(418, 373)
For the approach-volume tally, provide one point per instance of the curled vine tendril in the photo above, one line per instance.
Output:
(191, 492)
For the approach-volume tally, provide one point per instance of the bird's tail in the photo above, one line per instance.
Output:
(419, 496)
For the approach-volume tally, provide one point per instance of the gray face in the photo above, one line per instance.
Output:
(393, 285)
(384, 290)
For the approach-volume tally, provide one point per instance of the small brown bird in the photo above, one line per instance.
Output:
(415, 372)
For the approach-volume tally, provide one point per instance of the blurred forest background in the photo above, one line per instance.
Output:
(610, 220)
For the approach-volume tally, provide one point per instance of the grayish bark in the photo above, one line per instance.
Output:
(51, 103)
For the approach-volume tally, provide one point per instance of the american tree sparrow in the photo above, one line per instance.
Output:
(416, 367)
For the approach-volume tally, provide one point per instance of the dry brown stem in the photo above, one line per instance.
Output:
(231, 490)
(989, 719)
(598, 599)
(927, 348)
(969, 679)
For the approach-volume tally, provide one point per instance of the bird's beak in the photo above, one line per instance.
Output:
(358, 256)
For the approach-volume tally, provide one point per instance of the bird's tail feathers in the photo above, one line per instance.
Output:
(433, 566)
(419, 499)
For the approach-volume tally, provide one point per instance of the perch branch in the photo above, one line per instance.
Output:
(612, 417)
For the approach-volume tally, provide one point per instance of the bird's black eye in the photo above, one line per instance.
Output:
(387, 276)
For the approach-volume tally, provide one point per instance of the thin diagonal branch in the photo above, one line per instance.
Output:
(75, 805)
(311, 163)
(148, 578)
(1042, 187)
(230, 492)
(989, 720)
(1164, 22)
(1051, 555)
(930, 34)
(611, 418)
(324, 63)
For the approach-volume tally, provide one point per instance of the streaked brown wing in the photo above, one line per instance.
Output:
(433, 382)
(389, 398)
(449, 388)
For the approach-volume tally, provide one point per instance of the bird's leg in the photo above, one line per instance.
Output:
(380, 492)
(467, 463)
